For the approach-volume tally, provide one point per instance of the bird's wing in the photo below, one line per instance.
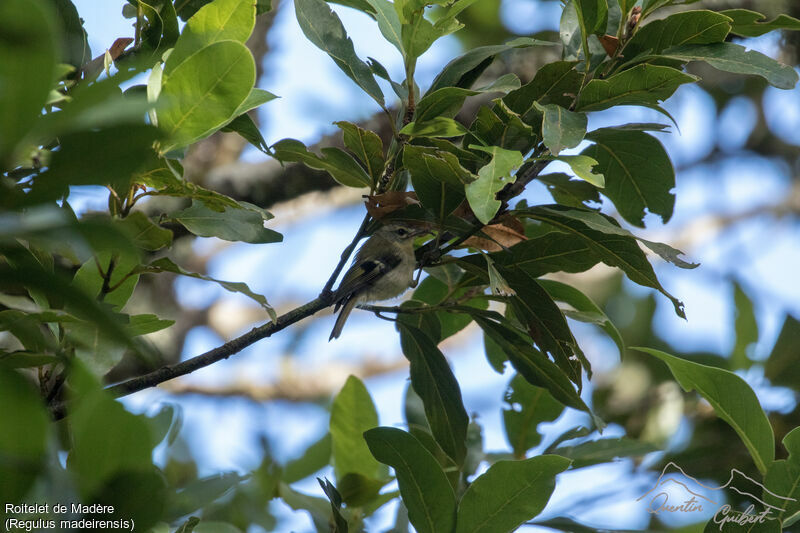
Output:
(363, 275)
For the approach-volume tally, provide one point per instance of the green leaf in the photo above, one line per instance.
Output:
(186, 8)
(165, 176)
(27, 69)
(144, 233)
(418, 34)
(204, 92)
(569, 192)
(188, 526)
(552, 252)
(437, 127)
(434, 382)
(732, 399)
(509, 494)
(167, 265)
(544, 321)
(499, 126)
(199, 493)
(315, 458)
(491, 178)
(244, 126)
(24, 442)
(688, 27)
(561, 128)
(746, 328)
(438, 178)
(528, 406)
(388, 22)
(599, 222)
(22, 359)
(781, 367)
(102, 157)
(263, 6)
(592, 15)
(323, 28)
(638, 173)
(158, 30)
(144, 324)
(734, 58)
(613, 249)
(643, 85)
(256, 98)
(336, 162)
(425, 490)
(465, 69)
(339, 524)
(437, 288)
(107, 440)
(604, 450)
(55, 287)
(589, 311)
(533, 365)
(232, 224)
(121, 283)
(748, 23)
(783, 479)
(555, 83)
(26, 327)
(366, 145)
(221, 20)
(74, 44)
(585, 168)
(448, 101)
(352, 414)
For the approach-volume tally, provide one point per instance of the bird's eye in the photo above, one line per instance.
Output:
(402, 232)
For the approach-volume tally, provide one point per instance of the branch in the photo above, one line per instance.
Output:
(326, 294)
(224, 351)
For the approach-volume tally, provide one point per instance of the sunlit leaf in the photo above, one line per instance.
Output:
(561, 128)
(352, 414)
(217, 21)
(203, 92)
(732, 399)
(491, 178)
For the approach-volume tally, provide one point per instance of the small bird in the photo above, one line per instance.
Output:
(383, 268)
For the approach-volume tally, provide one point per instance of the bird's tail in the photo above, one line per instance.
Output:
(342, 318)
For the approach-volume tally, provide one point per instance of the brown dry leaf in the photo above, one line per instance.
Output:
(503, 235)
(93, 68)
(610, 44)
(380, 205)
(119, 46)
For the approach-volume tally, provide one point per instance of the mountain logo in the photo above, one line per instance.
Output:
(695, 496)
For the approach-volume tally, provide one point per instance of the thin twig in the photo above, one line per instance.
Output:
(327, 293)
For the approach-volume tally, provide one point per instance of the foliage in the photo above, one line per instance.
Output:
(66, 278)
